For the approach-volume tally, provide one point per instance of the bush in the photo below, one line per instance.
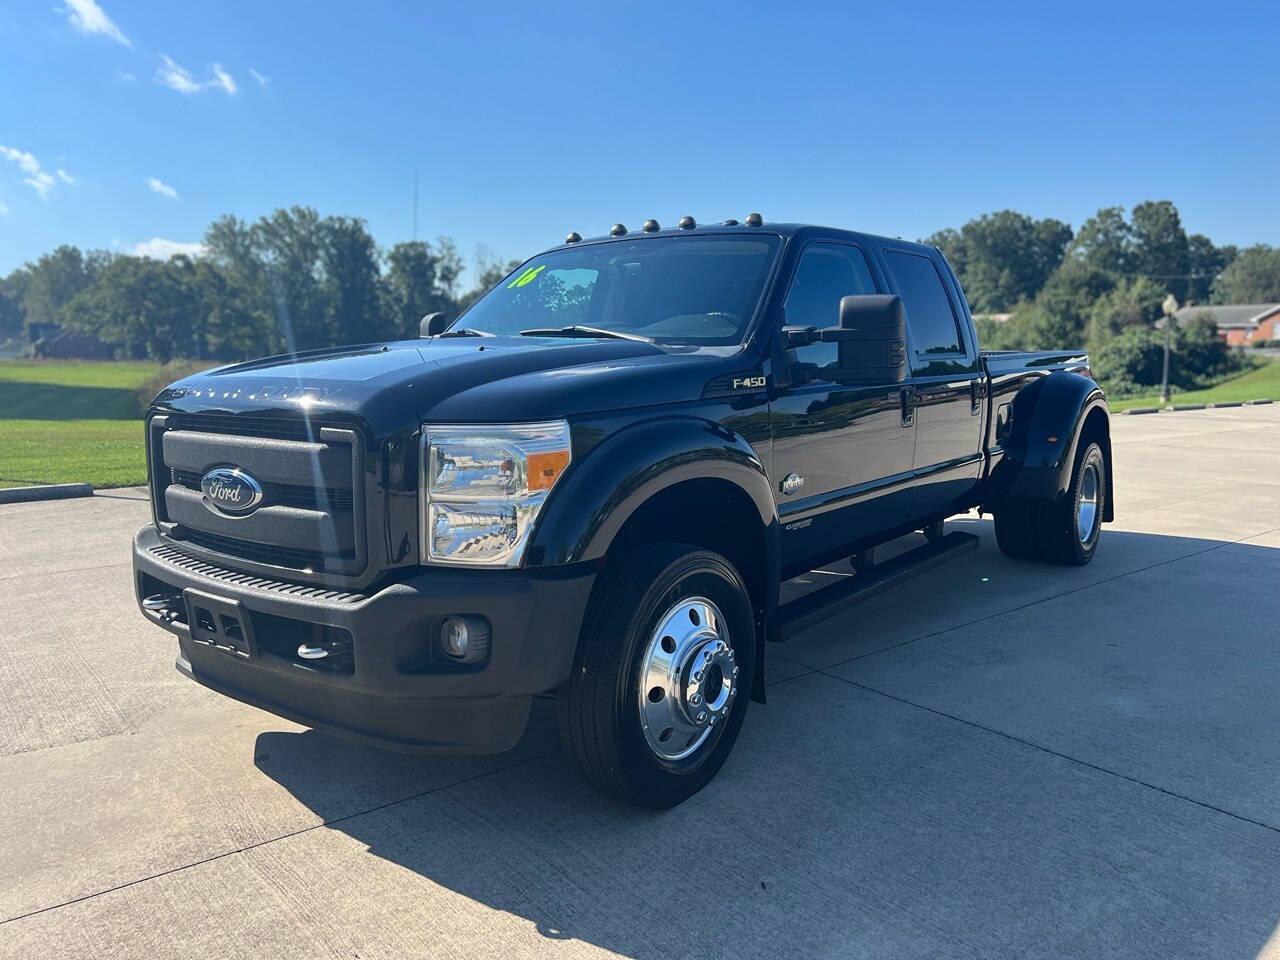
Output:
(1132, 361)
(167, 374)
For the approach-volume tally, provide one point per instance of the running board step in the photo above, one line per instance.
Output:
(816, 606)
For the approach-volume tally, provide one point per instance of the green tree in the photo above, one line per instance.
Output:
(417, 282)
(1160, 247)
(13, 290)
(289, 244)
(1132, 361)
(1133, 302)
(146, 307)
(54, 281)
(1105, 241)
(489, 272)
(1063, 307)
(1204, 263)
(1003, 257)
(1252, 277)
(236, 293)
(349, 266)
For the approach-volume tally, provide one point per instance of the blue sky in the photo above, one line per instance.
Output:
(122, 123)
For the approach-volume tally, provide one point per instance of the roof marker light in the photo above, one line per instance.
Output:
(754, 220)
(651, 226)
(573, 238)
(618, 230)
(729, 223)
(687, 223)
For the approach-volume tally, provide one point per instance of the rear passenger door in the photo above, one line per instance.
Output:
(842, 456)
(947, 382)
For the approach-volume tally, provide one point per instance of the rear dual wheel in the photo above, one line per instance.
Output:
(1067, 530)
(662, 676)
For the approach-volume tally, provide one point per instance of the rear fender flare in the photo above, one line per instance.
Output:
(1045, 442)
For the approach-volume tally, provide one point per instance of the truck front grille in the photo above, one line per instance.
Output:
(311, 519)
(290, 495)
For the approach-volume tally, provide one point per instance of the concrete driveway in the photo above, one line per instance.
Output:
(996, 760)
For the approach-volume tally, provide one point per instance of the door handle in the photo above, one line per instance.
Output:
(907, 401)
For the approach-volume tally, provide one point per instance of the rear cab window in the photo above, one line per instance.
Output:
(931, 317)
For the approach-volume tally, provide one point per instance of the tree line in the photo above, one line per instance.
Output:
(294, 280)
(290, 281)
(1103, 286)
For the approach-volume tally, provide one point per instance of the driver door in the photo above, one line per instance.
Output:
(851, 447)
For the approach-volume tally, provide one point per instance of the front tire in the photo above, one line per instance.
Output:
(662, 676)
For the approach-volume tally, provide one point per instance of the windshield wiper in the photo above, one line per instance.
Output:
(466, 332)
(578, 331)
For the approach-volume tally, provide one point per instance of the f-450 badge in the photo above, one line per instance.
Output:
(748, 383)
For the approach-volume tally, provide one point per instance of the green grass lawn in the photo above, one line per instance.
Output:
(1262, 383)
(105, 453)
(71, 422)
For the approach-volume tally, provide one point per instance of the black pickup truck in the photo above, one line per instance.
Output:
(592, 485)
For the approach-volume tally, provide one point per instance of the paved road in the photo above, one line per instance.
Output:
(999, 760)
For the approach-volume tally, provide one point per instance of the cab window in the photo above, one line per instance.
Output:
(930, 316)
(826, 273)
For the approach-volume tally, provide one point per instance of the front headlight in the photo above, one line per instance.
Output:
(482, 488)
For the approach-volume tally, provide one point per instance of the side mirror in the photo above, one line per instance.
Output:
(433, 324)
(872, 339)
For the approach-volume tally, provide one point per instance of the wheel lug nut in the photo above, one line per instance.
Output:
(735, 671)
(697, 699)
(702, 717)
(712, 721)
(698, 676)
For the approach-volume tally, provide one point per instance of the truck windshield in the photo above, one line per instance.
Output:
(695, 290)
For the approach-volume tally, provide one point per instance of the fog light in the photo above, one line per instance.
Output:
(455, 637)
(465, 638)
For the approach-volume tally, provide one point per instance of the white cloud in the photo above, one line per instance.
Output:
(126, 77)
(89, 18)
(4, 211)
(36, 177)
(262, 80)
(65, 177)
(157, 248)
(177, 77)
(159, 186)
(224, 80)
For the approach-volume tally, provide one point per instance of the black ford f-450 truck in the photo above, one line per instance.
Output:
(593, 483)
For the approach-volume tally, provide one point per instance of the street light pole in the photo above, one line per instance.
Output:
(1170, 307)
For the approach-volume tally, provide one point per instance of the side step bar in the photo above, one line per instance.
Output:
(818, 605)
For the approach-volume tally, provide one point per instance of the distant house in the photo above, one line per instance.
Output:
(66, 345)
(1237, 322)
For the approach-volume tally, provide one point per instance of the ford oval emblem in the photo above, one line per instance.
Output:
(231, 490)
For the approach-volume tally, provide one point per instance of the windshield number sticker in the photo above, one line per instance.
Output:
(526, 277)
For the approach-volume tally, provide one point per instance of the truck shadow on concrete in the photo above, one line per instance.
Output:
(855, 821)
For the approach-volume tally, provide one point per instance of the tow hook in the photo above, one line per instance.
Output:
(165, 606)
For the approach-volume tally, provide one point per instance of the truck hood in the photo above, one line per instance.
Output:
(394, 386)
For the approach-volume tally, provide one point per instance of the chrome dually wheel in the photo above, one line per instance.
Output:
(688, 679)
(1087, 513)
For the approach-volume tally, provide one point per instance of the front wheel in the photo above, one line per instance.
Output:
(662, 676)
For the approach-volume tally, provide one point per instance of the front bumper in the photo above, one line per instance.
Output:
(397, 691)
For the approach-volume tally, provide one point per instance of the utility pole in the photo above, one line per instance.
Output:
(1170, 307)
(415, 204)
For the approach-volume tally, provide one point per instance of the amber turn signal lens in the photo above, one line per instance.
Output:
(545, 468)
